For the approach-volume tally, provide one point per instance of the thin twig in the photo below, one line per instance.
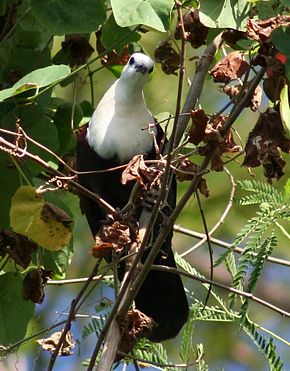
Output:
(226, 245)
(208, 244)
(16, 151)
(221, 219)
(71, 315)
(245, 294)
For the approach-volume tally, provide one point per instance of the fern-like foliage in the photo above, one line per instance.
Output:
(264, 345)
(261, 193)
(274, 205)
(150, 352)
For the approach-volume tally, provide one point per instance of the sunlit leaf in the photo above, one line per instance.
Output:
(152, 13)
(44, 223)
(285, 111)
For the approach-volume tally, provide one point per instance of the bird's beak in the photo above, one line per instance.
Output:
(141, 68)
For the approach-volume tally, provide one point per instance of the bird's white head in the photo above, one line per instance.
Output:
(138, 69)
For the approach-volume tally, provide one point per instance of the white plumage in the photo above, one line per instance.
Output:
(118, 126)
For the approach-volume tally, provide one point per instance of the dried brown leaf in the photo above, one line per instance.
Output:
(264, 142)
(196, 32)
(260, 30)
(137, 325)
(231, 67)
(114, 235)
(77, 48)
(50, 343)
(138, 171)
(33, 285)
(168, 57)
(17, 246)
(199, 121)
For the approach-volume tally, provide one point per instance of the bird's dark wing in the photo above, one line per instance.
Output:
(162, 294)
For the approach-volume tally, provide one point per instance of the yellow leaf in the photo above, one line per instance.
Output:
(44, 223)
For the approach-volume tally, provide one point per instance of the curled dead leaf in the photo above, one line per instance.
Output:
(199, 121)
(231, 67)
(138, 171)
(254, 101)
(196, 32)
(114, 235)
(168, 57)
(260, 30)
(263, 144)
(33, 284)
(77, 48)
(50, 343)
(137, 325)
(17, 246)
(187, 170)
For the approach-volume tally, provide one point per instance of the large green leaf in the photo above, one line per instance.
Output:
(280, 38)
(152, 13)
(69, 16)
(113, 33)
(224, 13)
(37, 79)
(15, 312)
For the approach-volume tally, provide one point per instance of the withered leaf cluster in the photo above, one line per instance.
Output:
(77, 48)
(18, 247)
(33, 285)
(138, 171)
(254, 101)
(168, 57)
(113, 236)
(51, 342)
(137, 325)
(231, 67)
(264, 144)
(260, 30)
(187, 170)
(208, 131)
(195, 32)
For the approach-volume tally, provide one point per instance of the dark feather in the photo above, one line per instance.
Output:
(162, 295)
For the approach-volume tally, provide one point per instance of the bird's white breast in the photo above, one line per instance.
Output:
(118, 126)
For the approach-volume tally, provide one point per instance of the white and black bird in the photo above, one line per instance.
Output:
(115, 134)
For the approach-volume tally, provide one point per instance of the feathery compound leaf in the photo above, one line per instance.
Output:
(264, 192)
(263, 344)
(258, 262)
(253, 225)
(151, 352)
(94, 326)
(186, 347)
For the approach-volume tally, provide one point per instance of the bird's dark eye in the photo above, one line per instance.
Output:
(151, 70)
(131, 60)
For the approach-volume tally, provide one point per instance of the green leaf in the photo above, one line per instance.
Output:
(285, 2)
(37, 79)
(280, 39)
(10, 181)
(15, 312)
(69, 16)
(224, 13)
(285, 111)
(152, 13)
(112, 33)
(287, 189)
(62, 121)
